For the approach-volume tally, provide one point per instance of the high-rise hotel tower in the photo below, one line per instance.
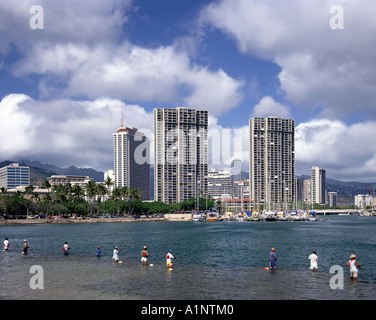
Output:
(132, 160)
(318, 185)
(272, 161)
(180, 154)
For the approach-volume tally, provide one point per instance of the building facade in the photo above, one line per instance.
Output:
(65, 179)
(132, 160)
(362, 201)
(180, 154)
(318, 185)
(332, 199)
(14, 175)
(272, 161)
(219, 184)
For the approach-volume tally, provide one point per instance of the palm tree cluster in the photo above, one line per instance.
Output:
(95, 200)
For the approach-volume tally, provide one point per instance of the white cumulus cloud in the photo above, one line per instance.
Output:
(332, 71)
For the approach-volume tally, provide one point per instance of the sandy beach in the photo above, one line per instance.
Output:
(89, 220)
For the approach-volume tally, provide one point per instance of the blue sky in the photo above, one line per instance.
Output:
(64, 87)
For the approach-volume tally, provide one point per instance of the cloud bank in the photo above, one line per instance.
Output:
(322, 68)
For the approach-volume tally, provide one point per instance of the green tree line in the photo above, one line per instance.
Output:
(94, 199)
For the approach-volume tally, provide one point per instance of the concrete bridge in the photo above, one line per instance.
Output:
(337, 211)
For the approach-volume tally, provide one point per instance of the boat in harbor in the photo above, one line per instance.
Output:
(198, 217)
(270, 216)
(312, 216)
(240, 217)
(281, 216)
(294, 216)
(255, 216)
(212, 216)
(228, 216)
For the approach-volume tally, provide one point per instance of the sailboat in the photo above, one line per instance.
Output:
(255, 216)
(312, 216)
(198, 217)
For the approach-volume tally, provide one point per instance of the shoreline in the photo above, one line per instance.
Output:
(73, 221)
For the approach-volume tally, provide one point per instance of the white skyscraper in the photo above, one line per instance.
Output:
(132, 160)
(180, 154)
(318, 185)
(272, 160)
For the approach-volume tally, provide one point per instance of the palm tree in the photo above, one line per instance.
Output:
(116, 195)
(78, 193)
(68, 191)
(61, 194)
(125, 192)
(108, 182)
(3, 190)
(47, 198)
(47, 185)
(134, 194)
(28, 191)
(91, 190)
(101, 191)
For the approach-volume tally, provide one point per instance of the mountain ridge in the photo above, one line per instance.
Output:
(39, 171)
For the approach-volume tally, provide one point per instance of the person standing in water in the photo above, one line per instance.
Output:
(25, 247)
(272, 259)
(66, 248)
(144, 256)
(98, 251)
(354, 267)
(6, 244)
(115, 255)
(169, 258)
(313, 258)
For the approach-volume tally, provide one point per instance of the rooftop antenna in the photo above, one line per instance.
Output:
(122, 117)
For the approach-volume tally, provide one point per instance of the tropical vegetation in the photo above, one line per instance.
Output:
(94, 200)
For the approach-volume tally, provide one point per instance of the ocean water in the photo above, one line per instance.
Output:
(214, 260)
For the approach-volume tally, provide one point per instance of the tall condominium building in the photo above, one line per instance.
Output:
(14, 175)
(307, 192)
(318, 185)
(132, 160)
(272, 160)
(332, 199)
(180, 154)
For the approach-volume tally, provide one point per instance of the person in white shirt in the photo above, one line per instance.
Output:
(6, 244)
(115, 255)
(169, 258)
(354, 267)
(313, 258)
(66, 248)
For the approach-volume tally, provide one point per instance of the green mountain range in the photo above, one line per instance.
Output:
(41, 171)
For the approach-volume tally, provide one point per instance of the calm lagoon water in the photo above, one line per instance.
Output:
(214, 260)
